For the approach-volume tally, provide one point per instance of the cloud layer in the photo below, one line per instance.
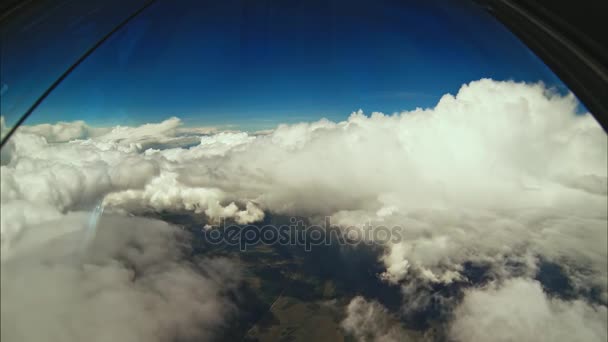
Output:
(519, 310)
(370, 321)
(132, 282)
(500, 174)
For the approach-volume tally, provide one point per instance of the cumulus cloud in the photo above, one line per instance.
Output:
(122, 278)
(64, 131)
(57, 178)
(519, 310)
(167, 193)
(61, 177)
(134, 281)
(499, 174)
(168, 133)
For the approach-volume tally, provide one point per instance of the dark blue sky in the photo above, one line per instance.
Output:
(254, 64)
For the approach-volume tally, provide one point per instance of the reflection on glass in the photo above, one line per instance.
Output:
(42, 39)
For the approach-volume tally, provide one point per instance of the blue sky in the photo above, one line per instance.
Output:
(254, 64)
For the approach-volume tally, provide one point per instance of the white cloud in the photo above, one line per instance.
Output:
(168, 133)
(490, 161)
(518, 310)
(64, 131)
(64, 177)
(500, 173)
(369, 321)
(167, 193)
(435, 244)
(133, 282)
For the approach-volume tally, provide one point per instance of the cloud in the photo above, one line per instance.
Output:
(59, 178)
(168, 133)
(133, 282)
(519, 310)
(167, 193)
(64, 131)
(500, 175)
(369, 321)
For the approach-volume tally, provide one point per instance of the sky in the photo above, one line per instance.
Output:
(253, 64)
